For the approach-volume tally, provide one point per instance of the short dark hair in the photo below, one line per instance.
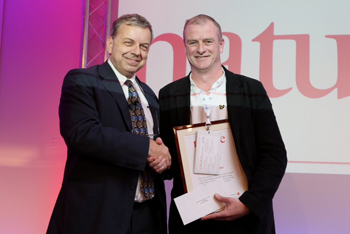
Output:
(133, 20)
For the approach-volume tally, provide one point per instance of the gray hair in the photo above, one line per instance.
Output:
(132, 20)
(202, 19)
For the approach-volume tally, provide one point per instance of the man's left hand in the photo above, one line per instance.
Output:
(234, 209)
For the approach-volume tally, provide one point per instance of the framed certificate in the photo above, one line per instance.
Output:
(230, 172)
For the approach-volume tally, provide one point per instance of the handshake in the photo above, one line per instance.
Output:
(159, 158)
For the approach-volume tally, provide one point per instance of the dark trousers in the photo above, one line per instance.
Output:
(144, 218)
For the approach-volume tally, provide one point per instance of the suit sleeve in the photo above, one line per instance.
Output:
(267, 161)
(92, 125)
(166, 132)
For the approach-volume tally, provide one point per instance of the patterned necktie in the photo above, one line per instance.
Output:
(139, 127)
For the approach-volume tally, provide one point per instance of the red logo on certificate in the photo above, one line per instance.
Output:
(223, 139)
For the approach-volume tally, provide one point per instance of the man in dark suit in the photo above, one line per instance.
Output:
(104, 189)
(211, 92)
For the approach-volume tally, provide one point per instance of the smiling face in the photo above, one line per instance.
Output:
(203, 46)
(129, 49)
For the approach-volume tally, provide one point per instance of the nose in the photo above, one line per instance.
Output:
(201, 48)
(136, 50)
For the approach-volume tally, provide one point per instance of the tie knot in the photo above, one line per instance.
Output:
(128, 83)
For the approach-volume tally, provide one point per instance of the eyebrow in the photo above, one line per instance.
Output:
(146, 43)
(209, 38)
(204, 39)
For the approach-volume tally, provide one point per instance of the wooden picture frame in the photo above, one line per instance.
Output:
(232, 171)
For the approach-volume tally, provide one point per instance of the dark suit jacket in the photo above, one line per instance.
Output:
(258, 142)
(104, 157)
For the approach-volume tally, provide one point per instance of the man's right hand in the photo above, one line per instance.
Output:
(158, 156)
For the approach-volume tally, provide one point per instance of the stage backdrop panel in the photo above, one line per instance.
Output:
(299, 50)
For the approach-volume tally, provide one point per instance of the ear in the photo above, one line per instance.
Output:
(222, 43)
(109, 44)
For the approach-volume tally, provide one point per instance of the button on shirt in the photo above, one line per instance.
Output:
(139, 197)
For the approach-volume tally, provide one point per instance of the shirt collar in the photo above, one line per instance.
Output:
(217, 83)
(121, 77)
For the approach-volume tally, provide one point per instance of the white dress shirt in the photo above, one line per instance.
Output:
(139, 197)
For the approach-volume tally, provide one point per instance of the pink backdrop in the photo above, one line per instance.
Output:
(41, 41)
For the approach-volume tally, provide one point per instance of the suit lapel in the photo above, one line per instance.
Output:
(183, 101)
(152, 101)
(112, 85)
(234, 96)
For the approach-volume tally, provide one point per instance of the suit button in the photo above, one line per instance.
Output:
(132, 187)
